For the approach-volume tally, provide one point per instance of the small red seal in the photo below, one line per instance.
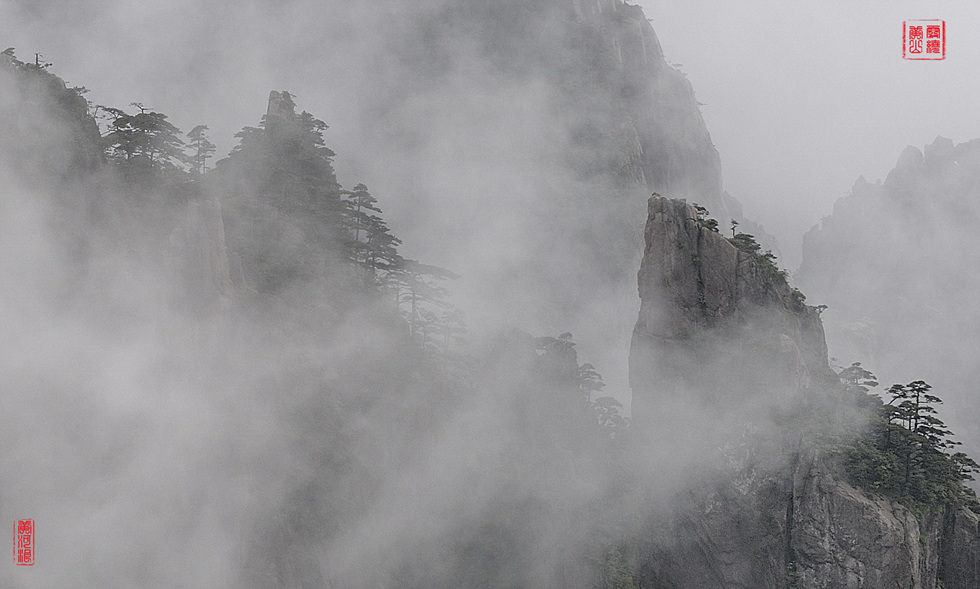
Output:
(24, 542)
(924, 39)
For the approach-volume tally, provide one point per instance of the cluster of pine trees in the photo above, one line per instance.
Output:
(906, 453)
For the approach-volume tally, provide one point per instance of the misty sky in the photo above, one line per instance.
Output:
(800, 98)
(803, 97)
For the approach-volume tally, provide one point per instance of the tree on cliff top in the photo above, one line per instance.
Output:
(370, 242)
(201, 148)
(145, 145)
(904, 454)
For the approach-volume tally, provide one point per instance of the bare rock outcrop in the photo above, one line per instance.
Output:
(801, 526)
(716, 321)
(720, 327)
(659, 135)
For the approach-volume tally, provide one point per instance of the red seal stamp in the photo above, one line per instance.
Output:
(924, 39)
(24, 542)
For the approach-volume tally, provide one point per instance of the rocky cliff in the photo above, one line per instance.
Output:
(721, 328)
(663, 142)
(662, 138)
(800, 527)
(716, 321)
(651, 124)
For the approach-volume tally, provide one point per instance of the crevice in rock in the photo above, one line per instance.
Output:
(698, 268)
(789, 555)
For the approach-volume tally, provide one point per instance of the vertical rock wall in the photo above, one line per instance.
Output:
(719, 329)
(716, 322)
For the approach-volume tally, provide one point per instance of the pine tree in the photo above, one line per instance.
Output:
(418, 286)
(372, 245)
(201, 149)
(358, 202)
(144, 145)
(916, 411)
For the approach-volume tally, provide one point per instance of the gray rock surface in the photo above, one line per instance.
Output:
(800, 526)
(959, 566)
(714, 319)
(717, 324)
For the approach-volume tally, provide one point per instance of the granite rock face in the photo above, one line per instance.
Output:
(654, 125)
(959, 564)
(710, 311)
(721, 328)
(840, 537)
(801, 526)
